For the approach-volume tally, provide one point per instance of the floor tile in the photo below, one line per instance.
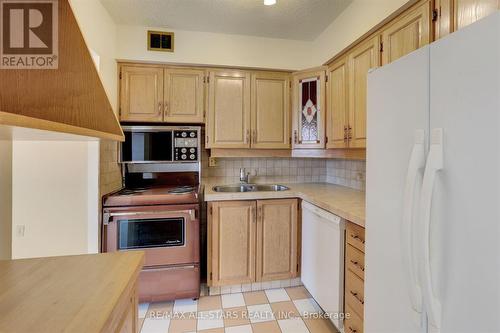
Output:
(298, 293)
(153, 325)
(183, 323)
(143, 309)
(255, 297)
(214, 330)
(277, 295)
(233, 300)
(266, 327)
(320, 325)
(210, 319)
(293, 325)
(307, 306)
(239, 329)
(260, 313)
(209, 303)
(185, 305)
(284, 310)
(159, 309)
(236, 316)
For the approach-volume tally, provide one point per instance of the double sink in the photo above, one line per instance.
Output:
(250, 188)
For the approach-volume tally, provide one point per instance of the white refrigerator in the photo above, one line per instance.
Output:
(433, 187)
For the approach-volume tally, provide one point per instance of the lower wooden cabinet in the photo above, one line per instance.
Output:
(354, 278)
(251, 241)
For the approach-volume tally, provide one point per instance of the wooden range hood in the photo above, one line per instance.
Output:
(69, 99)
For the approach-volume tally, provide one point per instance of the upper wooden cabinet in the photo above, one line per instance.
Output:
(270, 110)
(228, 123)
(141, 93)
(160, 94)
(337, 117)
(360, 59)
(406, 33)
(248, 110)
(308, 109)
(469, 11)
(251, 241)
(231, 242)
(276, 239)
(184, 95)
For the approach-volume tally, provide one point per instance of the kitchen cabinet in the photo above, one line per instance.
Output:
(270, 110)
(141, 93)
(361, 59)
(184, 95)
(337, 122)
(276, 239)
(228, 123)
(354, 277)
(469, 11)
(406, 33)
(250, 241)
(232, 242)
(308, 108)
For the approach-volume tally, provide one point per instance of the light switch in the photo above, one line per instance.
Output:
(20, 230)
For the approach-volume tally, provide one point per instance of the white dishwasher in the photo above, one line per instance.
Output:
(323, 258)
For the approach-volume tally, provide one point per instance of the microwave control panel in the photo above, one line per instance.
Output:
(186, 145)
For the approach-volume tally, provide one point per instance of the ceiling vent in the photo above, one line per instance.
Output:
(161, 41)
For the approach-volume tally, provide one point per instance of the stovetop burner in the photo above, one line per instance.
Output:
(181, 190)
(132, 191)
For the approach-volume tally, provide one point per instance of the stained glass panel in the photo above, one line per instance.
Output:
(309, 97)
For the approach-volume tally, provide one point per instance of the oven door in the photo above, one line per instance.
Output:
(168, 235)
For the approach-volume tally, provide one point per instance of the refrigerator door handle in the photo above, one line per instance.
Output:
(417, 163)
(434, 164)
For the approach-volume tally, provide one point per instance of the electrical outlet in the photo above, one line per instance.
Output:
(20, 230)
(212, 162)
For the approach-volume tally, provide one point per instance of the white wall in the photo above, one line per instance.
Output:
(99, 31)
(192, 47)
(55, 198)
(357, 19)
(5, 199)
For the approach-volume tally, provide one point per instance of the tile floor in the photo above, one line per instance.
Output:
(282, 310)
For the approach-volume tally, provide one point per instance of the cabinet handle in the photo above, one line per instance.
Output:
(345, 133)
(350, 133)
(254, 217)
(248, 137)
(295, 137)
(165, 109)
(355, 295)
(352, 330)
(160, 107)
(355, 263)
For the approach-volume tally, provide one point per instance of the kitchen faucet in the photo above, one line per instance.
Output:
(244, 176)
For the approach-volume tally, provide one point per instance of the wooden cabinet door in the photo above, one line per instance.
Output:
(469, 11)
(337, 113)
(270, 111)
(276, 239)
(231, 242)
(229, 110)
(444, 24)
(361, 59)
(308, 109)
(141, 93)
(407, 33)
(184, 95)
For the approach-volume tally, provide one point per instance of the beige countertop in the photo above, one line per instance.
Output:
(339, 200)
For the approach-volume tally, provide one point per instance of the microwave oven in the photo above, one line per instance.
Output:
(160, 144)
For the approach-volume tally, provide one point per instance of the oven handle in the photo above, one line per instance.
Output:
(106, 216)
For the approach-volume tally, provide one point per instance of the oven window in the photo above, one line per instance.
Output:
(146, 233)
(147, 147)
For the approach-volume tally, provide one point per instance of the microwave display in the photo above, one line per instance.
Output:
(147, 147)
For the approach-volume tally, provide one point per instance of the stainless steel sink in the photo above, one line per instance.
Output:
(250, 188)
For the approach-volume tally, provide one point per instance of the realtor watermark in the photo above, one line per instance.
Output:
(29, 34)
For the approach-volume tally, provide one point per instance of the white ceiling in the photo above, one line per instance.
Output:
(289, 19)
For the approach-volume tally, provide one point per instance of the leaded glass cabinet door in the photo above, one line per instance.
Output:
(309, 109)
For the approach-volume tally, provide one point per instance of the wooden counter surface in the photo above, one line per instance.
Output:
(84, 293)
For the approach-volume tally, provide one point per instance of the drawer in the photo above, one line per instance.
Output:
(353, 324)
(354, 293)
(355, 261)
(356, 236)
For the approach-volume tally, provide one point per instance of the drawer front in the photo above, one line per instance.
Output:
(354, 293)
(355, 261)
(356, 236)
(353, 324)
(169, 283)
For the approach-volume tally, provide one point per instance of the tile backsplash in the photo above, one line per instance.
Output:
(347, 173)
